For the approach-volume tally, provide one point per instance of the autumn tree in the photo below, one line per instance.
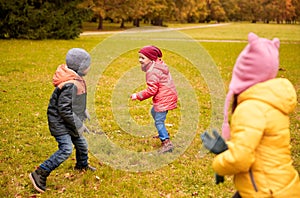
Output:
(296, 4)
(190, 10)
(159, 11)
(231, 9)
(251, 10)
(216, 11)
(290, 12)
(99, 8)
(138, 9)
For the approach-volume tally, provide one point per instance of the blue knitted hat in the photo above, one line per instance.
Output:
(78, 60)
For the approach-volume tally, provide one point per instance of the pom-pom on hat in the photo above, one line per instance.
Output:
(258, 62)
(78, 60)
(151, 52)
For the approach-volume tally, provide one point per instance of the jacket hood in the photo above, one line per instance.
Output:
(278, 92)
(63, 74)
(162, 67)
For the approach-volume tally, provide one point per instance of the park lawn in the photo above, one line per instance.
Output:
(25, 76)
(239, 31)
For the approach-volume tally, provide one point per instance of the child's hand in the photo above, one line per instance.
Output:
(219, 178)
(133, 96)
(215, 144)
(83, 129)
(87, 115)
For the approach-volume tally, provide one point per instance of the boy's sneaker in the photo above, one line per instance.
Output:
(39, 178)
(85, 168)
(167, 146)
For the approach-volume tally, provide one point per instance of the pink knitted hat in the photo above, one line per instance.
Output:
(258, 62)
(151, 52)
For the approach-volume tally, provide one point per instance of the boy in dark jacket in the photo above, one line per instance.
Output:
(66, 113)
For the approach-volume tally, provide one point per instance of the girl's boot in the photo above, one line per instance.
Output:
(167, 146)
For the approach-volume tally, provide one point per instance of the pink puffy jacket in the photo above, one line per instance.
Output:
(160, 86)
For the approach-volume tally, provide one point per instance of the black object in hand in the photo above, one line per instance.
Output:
(219, 179)
(215, 145)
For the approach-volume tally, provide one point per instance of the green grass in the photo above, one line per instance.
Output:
(239, 31)
(26, 71)
(108, 26)
(227, 31)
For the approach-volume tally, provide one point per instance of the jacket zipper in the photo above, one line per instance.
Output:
(252, 180)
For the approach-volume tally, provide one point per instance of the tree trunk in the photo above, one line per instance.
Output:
(157, 21)
(122, 24)
(100, 24)
(136, 22)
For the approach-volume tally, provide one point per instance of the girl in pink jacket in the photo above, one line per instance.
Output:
(161, 88)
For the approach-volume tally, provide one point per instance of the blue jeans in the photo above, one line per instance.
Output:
(159, 119)
(65, 148)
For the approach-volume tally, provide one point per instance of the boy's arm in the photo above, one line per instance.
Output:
(65, 107)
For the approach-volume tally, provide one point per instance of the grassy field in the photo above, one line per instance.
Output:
(26, 71)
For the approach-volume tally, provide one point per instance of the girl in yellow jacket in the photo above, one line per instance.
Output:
(257, 151)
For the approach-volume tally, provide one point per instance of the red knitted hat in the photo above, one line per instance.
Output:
(151, 52)
(258, 62)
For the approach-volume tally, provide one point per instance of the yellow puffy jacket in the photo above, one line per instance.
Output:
(259, 153)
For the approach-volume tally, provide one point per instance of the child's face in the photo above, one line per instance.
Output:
(143, 59)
